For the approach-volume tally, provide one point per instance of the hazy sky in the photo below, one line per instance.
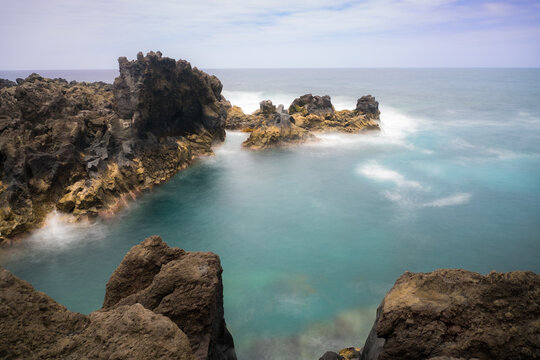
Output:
(91, 34)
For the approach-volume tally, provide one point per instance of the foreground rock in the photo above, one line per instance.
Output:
(161, 303)
(34, 326)
(306, 114)
(183, 286)
(83, 148)
(458, 314)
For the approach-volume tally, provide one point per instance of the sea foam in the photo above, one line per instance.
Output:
(374, 171)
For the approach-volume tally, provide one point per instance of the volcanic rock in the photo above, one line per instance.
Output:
(34, 326)
(184, 286)
(167, 97)
(83, 148)
(330, 355)
(316, 113)
(458, 314)
(369, 106)
(309, 104)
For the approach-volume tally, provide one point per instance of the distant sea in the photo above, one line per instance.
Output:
(312, 237)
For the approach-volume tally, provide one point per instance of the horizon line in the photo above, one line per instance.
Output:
(305, 68)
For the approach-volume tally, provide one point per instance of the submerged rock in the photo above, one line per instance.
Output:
(82, 148)
(184, 286)
(458, 314)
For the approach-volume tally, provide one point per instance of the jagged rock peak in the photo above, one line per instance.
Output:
(163, 96)
(309, 104)
(184, 286)
(368, 105)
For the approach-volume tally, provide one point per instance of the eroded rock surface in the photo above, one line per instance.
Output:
(34, 326)
(306, 114)
(316, 113)
(83, 148)
(274, 127)
(184, 286)
(309, 104)
(458, 314)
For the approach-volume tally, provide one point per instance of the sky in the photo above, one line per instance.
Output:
(92, 34)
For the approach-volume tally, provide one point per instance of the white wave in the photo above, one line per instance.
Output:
(456, 199)
(249, 101)
(374, 171)
(61, 231)
(482, 152)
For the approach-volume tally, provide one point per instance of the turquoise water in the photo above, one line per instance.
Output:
(312, 237)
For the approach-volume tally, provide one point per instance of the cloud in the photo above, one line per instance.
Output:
(279, 33)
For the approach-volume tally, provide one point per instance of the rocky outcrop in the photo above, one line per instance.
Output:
(238, 120)
(274, 127)
(34, 326)
(309, 104)
(316, 113)
(449, 314)
(168, 98)
(369, 106)
(83, 148)
(307, 113)
(185, 287)
(6, 83)
(161, 303)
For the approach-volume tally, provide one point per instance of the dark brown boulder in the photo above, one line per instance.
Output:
(458, 314)
(184, 286)
(34, 326)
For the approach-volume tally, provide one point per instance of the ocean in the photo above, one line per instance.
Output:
(312, 237)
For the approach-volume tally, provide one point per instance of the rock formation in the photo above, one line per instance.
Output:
(82, 148)
(316, 113)
(275, 128)
(185, 287)
(309, 104)
(306, 114)
(34, 326)
(186, 321)
(449, 314)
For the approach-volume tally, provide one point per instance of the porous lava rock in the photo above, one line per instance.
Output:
(84, 148)
(458, 314)
(34, 326)
(184, 286)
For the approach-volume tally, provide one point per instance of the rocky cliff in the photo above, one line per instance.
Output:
(83, 148)
(161, 303)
